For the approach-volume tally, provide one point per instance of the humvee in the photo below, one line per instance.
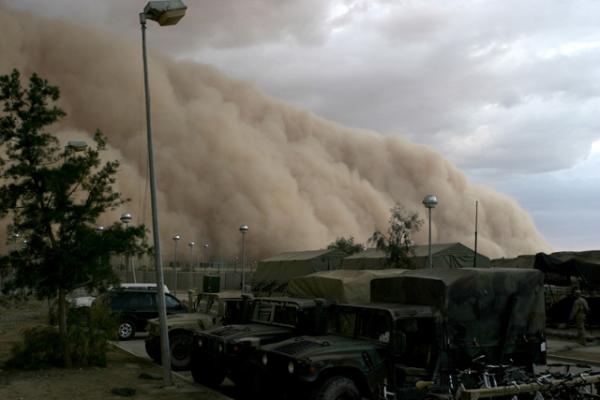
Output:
(223, 352)
(411, 341)
(211, 309)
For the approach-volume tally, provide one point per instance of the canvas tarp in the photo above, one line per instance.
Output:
(344, 286)
(492, 308)
(273, 274)
(558, 272)
(445, 255)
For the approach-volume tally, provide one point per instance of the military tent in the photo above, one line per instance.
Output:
(273, 274)
(446, 255)
(343, 285)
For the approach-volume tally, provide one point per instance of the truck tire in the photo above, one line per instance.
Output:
(153, 351)
(207, 372)
(336, 388)
(126, 330)
(181, 349)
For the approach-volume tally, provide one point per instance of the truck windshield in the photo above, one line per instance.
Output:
(356, 323)
(276, 313)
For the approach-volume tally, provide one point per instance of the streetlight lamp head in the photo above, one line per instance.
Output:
(176, 237)
(167, 12)
(126, 218)
(192, 244)
(430, 201)
(76, 145)
(100, 228)
(243, 228)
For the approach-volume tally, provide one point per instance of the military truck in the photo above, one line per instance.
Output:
(412, 342)
(223, 352)
(211, 309)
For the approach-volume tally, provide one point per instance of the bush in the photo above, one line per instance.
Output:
(89, 330)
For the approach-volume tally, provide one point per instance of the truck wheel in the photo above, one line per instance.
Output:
(181, 347)
(207, 372)
(337, 388)
(126, 330)
(153, 351)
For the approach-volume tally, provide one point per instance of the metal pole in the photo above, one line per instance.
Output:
(162, 312)
(175, 266)
(243, 261)
(430, 258)
(475, 255)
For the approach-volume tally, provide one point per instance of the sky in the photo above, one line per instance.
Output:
(507, 90)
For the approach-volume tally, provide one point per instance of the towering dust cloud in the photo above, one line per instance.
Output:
(227, 154)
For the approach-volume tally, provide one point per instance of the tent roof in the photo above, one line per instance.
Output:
(300, 255)
(419, 251)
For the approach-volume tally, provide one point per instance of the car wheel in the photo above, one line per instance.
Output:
(337, 388)
(181, 346)
(207, 372)
(126, 330)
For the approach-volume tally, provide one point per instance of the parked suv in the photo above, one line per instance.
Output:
(135, 307)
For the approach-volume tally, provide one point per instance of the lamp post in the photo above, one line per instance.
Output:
(165, 13)
(126, 219)
(475, 251)
(176, 238)
(191, 246)
(206, 255)
(430, 202)
(243, 230)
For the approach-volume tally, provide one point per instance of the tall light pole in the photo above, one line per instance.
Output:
(191, 246)
(475, 255)
(243, 230)
(206, 255)
(176, 238)
(430, 202)
(165, 13)
(126, 219)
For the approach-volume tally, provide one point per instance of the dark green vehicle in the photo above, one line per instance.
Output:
(411, 342)
(225, 351)
(210, 310)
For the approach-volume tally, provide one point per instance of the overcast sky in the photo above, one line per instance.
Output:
(508, 90)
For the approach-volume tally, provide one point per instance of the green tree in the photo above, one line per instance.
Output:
(53, 197)
(346, 245)
(397, 242)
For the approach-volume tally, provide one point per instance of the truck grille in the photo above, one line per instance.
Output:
(296, 347)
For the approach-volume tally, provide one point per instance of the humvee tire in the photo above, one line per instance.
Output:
(180, 343)
(208, 373)
(337, 388)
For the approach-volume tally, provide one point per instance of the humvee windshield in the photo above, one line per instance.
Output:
(276, 313)
(208, 303)
(360, 323)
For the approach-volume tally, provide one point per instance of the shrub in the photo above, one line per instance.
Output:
(88, 335)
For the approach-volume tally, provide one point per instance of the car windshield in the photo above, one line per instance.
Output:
(279, 313)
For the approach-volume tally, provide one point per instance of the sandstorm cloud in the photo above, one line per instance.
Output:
(226, 154)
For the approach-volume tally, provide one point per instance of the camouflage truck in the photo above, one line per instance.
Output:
(412, 342)
(210, 310)
(223, 352)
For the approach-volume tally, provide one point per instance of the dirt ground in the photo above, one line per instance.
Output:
(123, 370)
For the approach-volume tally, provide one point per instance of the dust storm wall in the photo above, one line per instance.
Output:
(226, 154)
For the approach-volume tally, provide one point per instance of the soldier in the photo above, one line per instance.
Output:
(578, 314)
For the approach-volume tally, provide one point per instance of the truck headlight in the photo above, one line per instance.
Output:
(265, 359)
(291, 367)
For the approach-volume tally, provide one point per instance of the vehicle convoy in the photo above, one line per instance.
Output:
(210, 310)
(417, 339)
(134, 307)
(224, 352)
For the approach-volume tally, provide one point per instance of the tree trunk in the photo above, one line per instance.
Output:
(62, 327)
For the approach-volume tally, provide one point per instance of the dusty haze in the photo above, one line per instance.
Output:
(226, 154)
